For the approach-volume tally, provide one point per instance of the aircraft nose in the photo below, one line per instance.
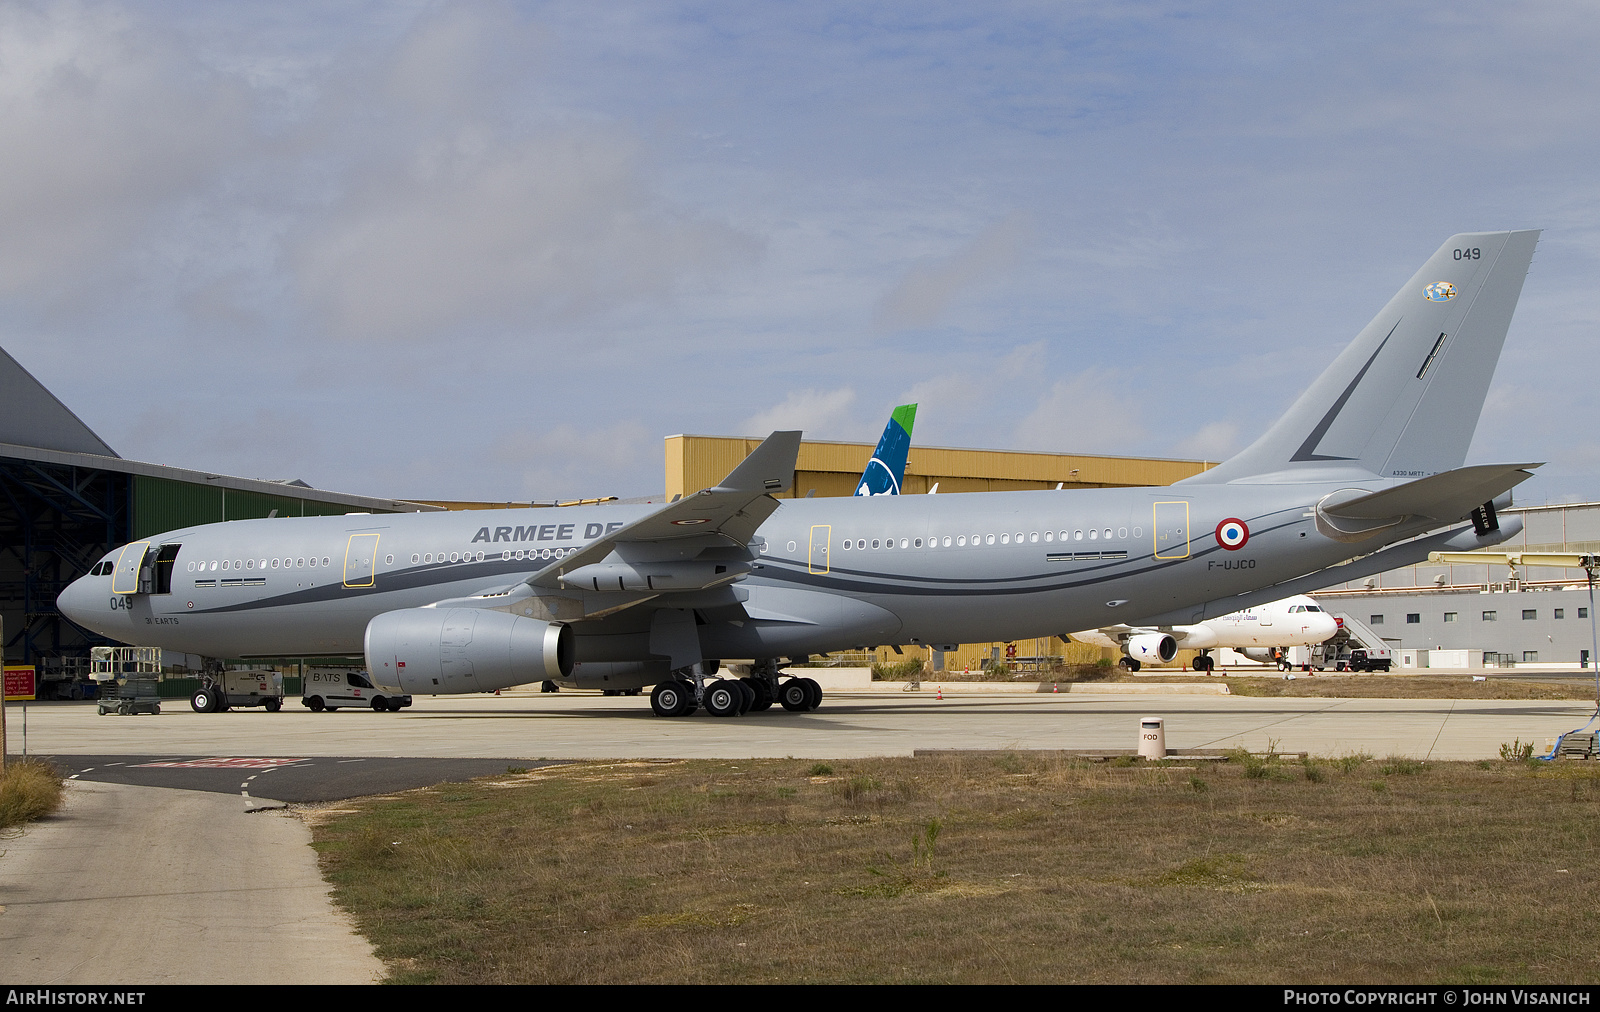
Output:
(73, 602)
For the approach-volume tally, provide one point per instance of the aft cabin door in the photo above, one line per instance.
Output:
(361, 560)
(1172, 530)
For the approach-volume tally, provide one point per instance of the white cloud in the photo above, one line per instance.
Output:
(1213, 441)
(1095, 411)
(927, 290)
(106, 126)
(820, 414)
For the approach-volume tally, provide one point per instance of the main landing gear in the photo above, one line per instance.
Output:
(689, 690)
(1205, 662)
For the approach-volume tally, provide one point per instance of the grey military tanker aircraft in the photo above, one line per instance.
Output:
(1365, 466)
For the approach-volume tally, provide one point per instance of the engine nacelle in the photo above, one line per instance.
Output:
(1153, 648)
(605, 675)
(435, 651)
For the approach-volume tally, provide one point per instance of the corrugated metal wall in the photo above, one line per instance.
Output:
(160, 504)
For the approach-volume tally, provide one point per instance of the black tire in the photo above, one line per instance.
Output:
(816, 692)
(763, 693)
(273, 705)
(794, 696)
(156, 708)
(672, 699)
(315, 704)
(749, 695)
(380, 704)
(202, 701)
(724, 698)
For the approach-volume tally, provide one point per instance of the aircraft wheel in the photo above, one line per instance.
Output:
(724, 698)
(763, 693)
(202, 701)
(672, 699)
(793, 695)
(1132, 664)
(816, 692)
(747, 691)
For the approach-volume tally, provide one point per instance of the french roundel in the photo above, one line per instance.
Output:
(1232, 534)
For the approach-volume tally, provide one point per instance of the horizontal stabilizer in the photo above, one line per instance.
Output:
(1447, 497)
(1353, 515)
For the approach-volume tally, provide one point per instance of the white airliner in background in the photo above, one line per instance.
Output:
(1293, 622)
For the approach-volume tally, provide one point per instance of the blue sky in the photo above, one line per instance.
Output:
(501, 250)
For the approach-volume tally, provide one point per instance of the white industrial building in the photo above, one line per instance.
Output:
(1486, 615)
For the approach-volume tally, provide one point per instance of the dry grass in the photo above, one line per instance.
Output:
(1409, 687)
(978, 868)
(29, 789)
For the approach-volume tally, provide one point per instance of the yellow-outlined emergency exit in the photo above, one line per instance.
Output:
(818, 549)
(1172, 530)
(361, 560)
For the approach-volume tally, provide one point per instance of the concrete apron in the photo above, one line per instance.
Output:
(145, 885)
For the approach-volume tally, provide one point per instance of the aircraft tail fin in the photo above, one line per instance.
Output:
(887, 468)
(1403, 399)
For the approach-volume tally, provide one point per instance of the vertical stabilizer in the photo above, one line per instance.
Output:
(1403, 400)
(887, 468)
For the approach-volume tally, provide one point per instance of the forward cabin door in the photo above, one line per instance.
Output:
(361, 560)
(129, 576)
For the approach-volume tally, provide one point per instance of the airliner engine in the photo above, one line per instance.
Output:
(1157, 648)
(428, 651)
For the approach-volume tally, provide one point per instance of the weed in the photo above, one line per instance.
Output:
(1198, 786)
(1348, 762)
(1378, 786)
(1225, 871)
(516, 769)
(899, 671)
(856, 788)
(1403, 766)
(29, 790)
(918, 876)
(1516, 751)
(1009, 763)
(1313, 770)
(820, 770)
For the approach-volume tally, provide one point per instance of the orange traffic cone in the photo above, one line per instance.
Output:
(1055, 687)
(938, 693)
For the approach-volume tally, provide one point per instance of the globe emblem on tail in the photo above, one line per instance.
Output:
(1440, 291)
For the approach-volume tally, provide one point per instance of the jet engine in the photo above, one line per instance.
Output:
(434, 651)
(1156, 648)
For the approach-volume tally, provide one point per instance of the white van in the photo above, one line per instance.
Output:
(330, 689)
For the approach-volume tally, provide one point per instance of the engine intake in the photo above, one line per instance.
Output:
(437, 651)
(1153, 647)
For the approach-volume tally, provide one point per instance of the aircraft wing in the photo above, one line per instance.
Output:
(735, 508)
